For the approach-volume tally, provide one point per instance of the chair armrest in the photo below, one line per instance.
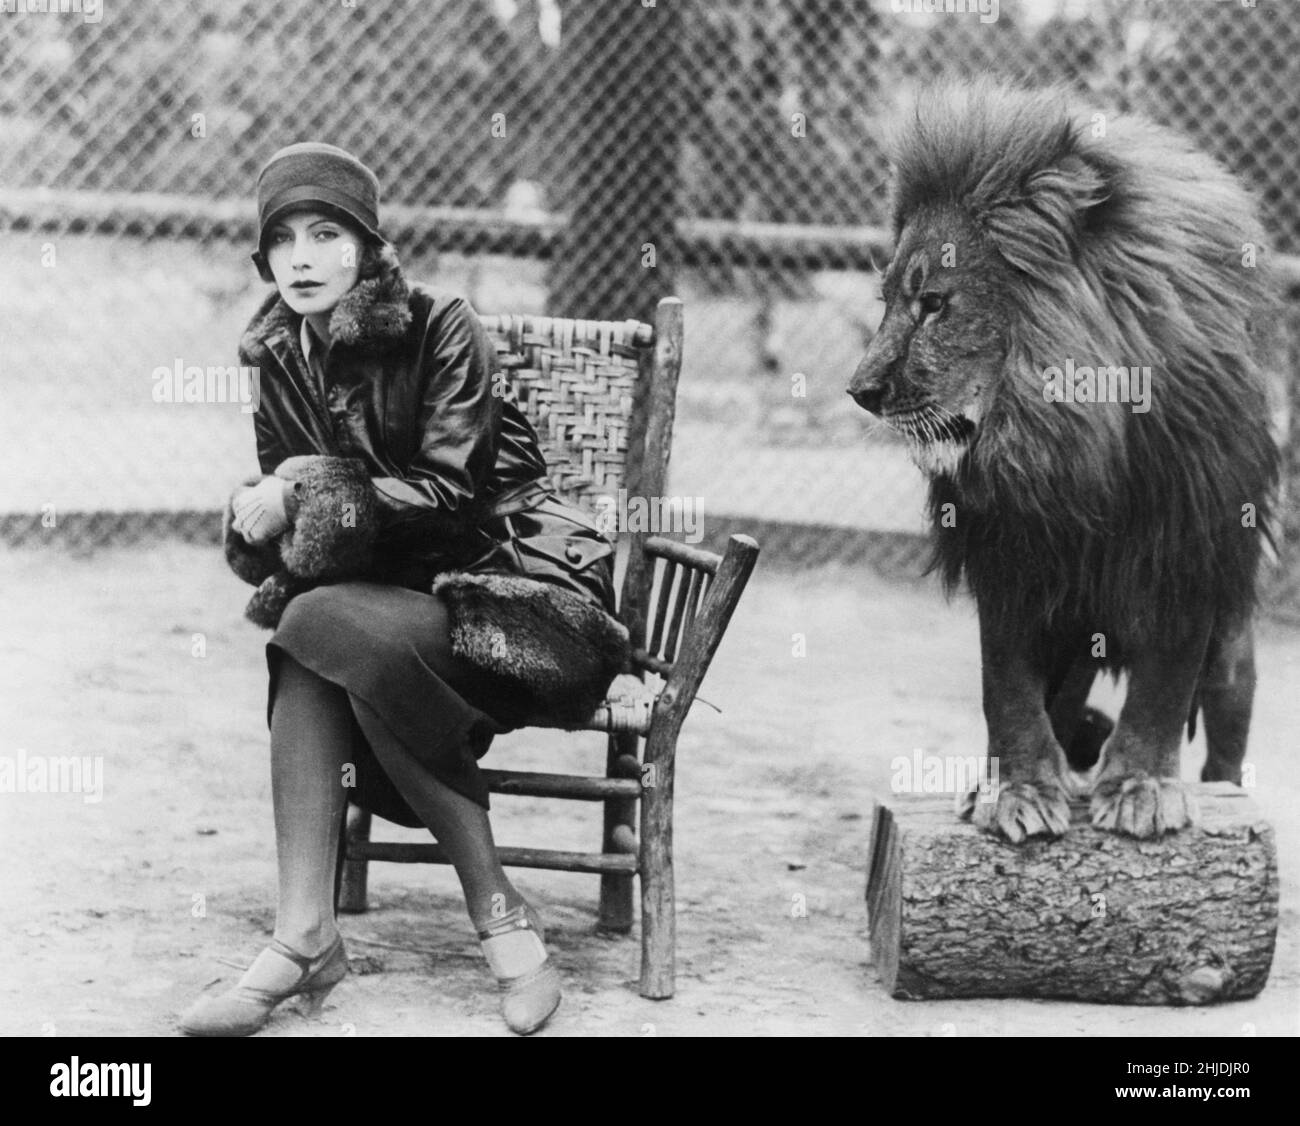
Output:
(704, 634)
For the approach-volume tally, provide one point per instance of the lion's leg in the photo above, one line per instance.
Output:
(1138, 790)
(1227, 697)
(1028, 799)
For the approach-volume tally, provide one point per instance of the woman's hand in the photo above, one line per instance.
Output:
(259, 510)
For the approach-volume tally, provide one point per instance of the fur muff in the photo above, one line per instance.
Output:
(335, 520)
(551, 643)
(335, 517)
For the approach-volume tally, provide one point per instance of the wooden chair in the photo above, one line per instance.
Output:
(602, 395)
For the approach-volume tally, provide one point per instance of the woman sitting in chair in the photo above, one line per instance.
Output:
(426, 587)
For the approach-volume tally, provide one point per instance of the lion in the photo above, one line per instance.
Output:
(1070, 346)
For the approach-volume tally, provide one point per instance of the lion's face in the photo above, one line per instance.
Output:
(941, 346)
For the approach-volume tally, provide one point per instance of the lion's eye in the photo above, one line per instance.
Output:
(931, 303)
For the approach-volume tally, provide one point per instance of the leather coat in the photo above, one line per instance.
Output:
(408, 390)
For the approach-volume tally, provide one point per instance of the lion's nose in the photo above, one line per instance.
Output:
(869, 384)
(868, 398)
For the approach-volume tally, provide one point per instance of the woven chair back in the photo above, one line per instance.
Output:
(577, 383)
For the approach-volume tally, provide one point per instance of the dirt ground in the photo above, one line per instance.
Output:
(117, 912)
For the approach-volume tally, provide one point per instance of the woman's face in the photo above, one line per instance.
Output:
(315, 260)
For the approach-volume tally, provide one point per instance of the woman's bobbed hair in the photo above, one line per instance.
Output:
(378, 260)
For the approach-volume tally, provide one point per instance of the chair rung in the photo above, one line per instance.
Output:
(655, 664)
(577, 787)
(553, 859)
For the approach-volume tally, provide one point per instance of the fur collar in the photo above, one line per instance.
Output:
(373, 316)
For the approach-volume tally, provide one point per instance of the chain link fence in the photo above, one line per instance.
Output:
(582, 157)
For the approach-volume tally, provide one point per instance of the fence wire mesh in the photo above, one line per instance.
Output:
(582, 157)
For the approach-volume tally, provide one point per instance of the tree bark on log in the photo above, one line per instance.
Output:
(1186, 920)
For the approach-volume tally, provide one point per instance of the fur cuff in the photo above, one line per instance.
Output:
(335, 517)
(269, 600)
(552, 643)
(251, 562)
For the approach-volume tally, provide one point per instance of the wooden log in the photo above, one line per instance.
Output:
(1185, 920)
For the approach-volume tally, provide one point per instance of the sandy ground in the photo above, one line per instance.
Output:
(117, 912)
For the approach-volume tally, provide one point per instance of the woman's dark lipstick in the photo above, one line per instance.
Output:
(303, 285)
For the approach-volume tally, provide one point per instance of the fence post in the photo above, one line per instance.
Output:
(620, 123)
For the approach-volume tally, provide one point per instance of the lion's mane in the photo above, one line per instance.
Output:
(1126, 247)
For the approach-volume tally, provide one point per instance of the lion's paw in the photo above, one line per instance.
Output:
(1018, 810)
(1142, 806)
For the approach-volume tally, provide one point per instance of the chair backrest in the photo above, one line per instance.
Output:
(577, 382)
(601, 395)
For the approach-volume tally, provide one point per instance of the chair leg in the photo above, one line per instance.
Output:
(615, 903)
(616, 889)
(352, 891)
(658, 914)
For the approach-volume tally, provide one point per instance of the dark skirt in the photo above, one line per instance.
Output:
(388, 646)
